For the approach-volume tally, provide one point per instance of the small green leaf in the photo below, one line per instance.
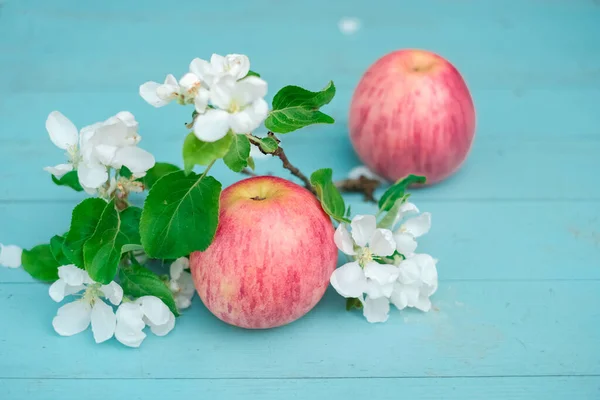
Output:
(388, 221)
(57, 249)
(180, 215)
(268, 144)
(130, 224)
(353, 303)
(125, 172)
(131, 247)
(295, 108)
(197, 152)
(138, 281)
(158, 171)
(252, 73)
(251, 164)
(40, 263)
(330, 197)
(237, 156)
(396, 191)
(70, 179)
(102, 251)
(84, 220)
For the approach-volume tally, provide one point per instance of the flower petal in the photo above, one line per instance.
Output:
(72, 275)
(349, 280)
(238, 65)
(72, 318)
(59, 170)
(376, 290)
(363, 228)
(163, 329)
(418, 226)
(113, 292)
(92, 175)
(137, 160)
(398, 297)
(381, 273)
(129, 336)
(405, 243)
(382, 243)
(361, 170)
(105, 154)
(201, 100)
(183, 301)
(57, 290)
(221, 92)
(376, 310)
(250, 118)
(103, 320)
(178, 266)
(149, 92)
(189, 83)
(212, 125)
(10, 255)
(203, 70)
(62, 131)
(409, 272)
(130, 325)
(154, 309)
(343, 240)
(249, 89)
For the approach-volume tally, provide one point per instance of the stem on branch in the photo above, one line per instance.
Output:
(279, 152)
(362, 184)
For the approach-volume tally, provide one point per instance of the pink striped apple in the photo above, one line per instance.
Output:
(272, 254)
(412, 113)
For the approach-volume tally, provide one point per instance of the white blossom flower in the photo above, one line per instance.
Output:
(418, 280)
(411, 229)
(10, 256)
(75, 317)
(181, 283)
(365, 275)
(361, 170)
(234, 65)
(132, 318)
(108, 144)
(188, 90)
(239, 107)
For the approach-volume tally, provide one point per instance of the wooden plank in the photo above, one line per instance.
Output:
(485, 329)
(514, 388)
(473, 240)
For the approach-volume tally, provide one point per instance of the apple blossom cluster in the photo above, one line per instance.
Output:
(385, 268)
(224, 96)
(97, 149)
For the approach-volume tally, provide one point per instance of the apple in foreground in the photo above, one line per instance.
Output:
(412, 113)
(272, 255)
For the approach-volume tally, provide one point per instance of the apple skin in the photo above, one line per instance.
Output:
(412, 113)
(272, 255)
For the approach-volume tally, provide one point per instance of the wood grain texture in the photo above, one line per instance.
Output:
(517, 230)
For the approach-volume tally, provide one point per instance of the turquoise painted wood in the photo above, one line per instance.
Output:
(517, 230)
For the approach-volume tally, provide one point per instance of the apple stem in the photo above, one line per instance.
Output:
(362, 184)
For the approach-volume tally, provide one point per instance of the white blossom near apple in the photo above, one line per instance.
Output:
(10, 255)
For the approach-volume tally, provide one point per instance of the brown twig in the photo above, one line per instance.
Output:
(279, 152)
(362, 184)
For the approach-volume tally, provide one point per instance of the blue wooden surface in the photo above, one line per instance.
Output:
(517, 230)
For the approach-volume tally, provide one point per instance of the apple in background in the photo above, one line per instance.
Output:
(272, 255)
(412, 113)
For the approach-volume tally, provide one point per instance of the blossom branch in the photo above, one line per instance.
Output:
(362, 184)
(280, 153)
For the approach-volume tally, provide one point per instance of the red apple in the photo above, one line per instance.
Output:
(272, 254)
(412, 113)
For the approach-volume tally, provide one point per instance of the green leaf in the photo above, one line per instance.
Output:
(40, 263)
(84, 220)
(102, 251)
(252, 73)
(387, 222)
(353, 303)
(69, 179)
(180, 215)
(268, 144)
(330, 197)
(197, 152)
(158, 171)
(57, 249)
(125, 172)
(130, 224)
(131, 247)
(396, 191)
(251, 164)
(295, 108)
(237, 156)
(138, 281)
